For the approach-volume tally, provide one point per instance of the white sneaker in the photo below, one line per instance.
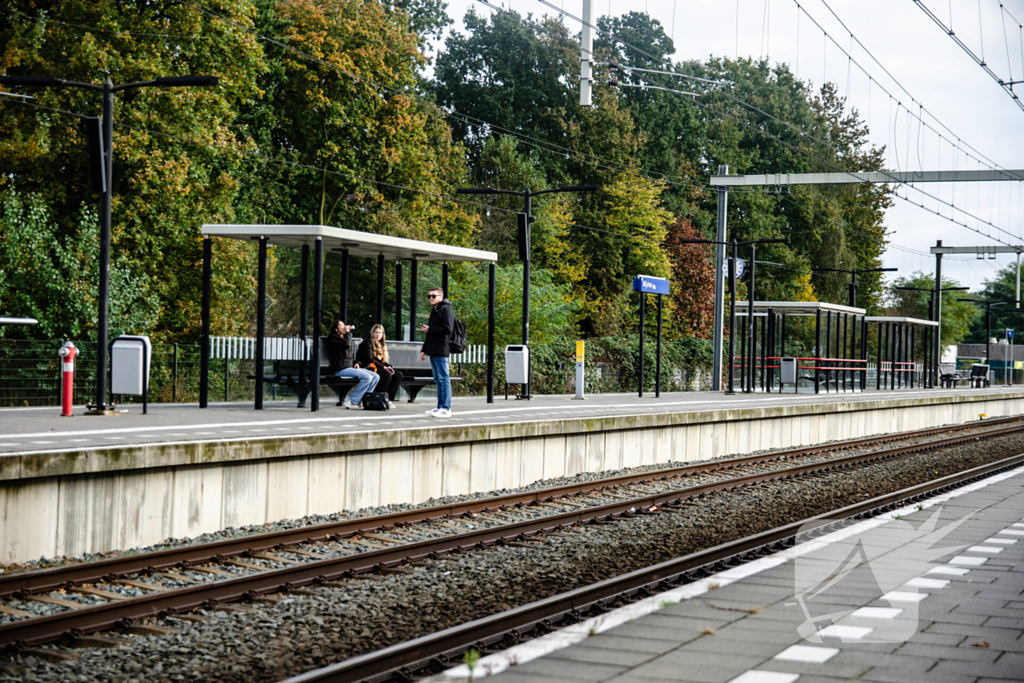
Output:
(442, 412)
(348, 404)
(430, 412)
(390, 405)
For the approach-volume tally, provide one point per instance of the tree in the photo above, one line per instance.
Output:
(693, 282)
(1002, 286)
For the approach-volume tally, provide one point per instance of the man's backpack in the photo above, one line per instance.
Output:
(460, 337)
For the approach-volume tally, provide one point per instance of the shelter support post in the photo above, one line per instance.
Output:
(491, 290)
(863, 353)
(817, 353)
(732, 319)
(913, 361)
(318, 298)
(261, 318)
(770, 353)
(398, 302)
(444, 278)
(379, 318)
(828, 350)
(343, 309)
(303, 319)
(204, 351)
(413, 282)
(750, 320)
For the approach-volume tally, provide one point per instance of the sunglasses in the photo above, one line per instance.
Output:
(433, 296)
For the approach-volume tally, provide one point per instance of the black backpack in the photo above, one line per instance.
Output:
(459, 338)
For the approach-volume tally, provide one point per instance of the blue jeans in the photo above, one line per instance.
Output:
(367, 381)
(439, 368)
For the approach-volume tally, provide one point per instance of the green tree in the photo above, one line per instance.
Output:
(1002, 286)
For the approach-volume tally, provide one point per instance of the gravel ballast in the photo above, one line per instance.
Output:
(326, 625)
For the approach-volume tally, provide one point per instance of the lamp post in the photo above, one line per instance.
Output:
(934, 370)
(525, 219)
(107, 148)
(989, 303)
(853, 278)
(732, 296)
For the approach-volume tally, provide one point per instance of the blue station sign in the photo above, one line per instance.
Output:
(650, 284)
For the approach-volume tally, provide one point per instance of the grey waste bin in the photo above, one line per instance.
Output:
(517, 363)
(129, 366)
(787, 370)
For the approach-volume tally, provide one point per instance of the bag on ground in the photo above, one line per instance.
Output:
(376, 400)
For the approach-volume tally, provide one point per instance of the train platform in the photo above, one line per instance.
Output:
(936, 594)
(43, 430)
(89, 484)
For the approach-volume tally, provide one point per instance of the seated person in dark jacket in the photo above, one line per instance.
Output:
(373, 355)
(339, 356)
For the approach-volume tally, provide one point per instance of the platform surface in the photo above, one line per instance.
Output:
(946, 607)
(28, 430)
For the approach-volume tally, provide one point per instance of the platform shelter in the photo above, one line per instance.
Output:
(765, 336)
(898, 340)
(349, 243)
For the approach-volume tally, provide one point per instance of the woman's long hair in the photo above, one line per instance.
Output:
(380, 349)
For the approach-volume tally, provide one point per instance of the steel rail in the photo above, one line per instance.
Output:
(40, 581)
(109, 615)
(446, 645)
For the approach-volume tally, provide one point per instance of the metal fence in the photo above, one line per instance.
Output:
(30, 371)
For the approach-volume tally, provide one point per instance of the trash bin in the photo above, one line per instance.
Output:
(129, 365)
(517, 363)
(787, 370)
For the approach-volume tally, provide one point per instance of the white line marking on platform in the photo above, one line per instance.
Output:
(1002, 541)
(904, 596)
(845, 632)
(1018, 524)
(765, 677)
(499, 662)
(807, 653)
(876, 612)
(951, 571)
(987, 549)
(42, 442)
(927, 583)
(970, 561)
(1010, 532)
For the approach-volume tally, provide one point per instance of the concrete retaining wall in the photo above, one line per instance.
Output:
(75, 502)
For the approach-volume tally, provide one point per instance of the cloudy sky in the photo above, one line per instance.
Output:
(959, 99)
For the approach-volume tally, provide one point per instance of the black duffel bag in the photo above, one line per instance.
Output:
(376, 400)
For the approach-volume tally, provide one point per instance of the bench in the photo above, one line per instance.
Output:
(405, 357)
(979, 375)
(949, 375)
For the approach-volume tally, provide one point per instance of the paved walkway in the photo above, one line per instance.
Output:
(940, 598)
(26, 430)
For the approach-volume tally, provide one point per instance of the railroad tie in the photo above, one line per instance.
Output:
(56, 601)
(143, 585)
(15, 612)
(106, 595)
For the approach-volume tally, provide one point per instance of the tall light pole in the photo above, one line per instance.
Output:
(107, 148)
(525, 219)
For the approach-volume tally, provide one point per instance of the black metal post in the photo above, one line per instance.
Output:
(318, 302)
(750, 320)
(863, 353)
(657, 363)
(988, 336)
(763, 336)
(174, 376)
(343, 307)
(104, 274)
(893, 334)
(261, 318)
(413, 282)
(913, 364)
(732, 318)
(817, 353)
(828, 350)
(846, 340)
(399, 336)
(444, 278)
(770, 354)
(528, 208)
(743, 357)
(491, 291)
(304, 323)
(380, 289)
(938, 310)
(878, 362)
(640, 375)
(204, 350)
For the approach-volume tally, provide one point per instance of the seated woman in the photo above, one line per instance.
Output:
(373, 353)
(339, 356)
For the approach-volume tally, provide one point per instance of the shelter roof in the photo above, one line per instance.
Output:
(796, 308)
(358, 243)
(902, 320)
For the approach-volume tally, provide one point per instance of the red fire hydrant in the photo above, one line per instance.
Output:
(67, 354)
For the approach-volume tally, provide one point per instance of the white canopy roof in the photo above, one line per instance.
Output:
(358, 243)
(902, 320)
(796, 308)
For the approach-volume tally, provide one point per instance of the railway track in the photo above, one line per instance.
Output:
(120, 591)
(445, 648)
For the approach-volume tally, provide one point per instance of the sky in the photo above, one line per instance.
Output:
(959, 99)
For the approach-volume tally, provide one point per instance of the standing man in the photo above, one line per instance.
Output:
(439, 329)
